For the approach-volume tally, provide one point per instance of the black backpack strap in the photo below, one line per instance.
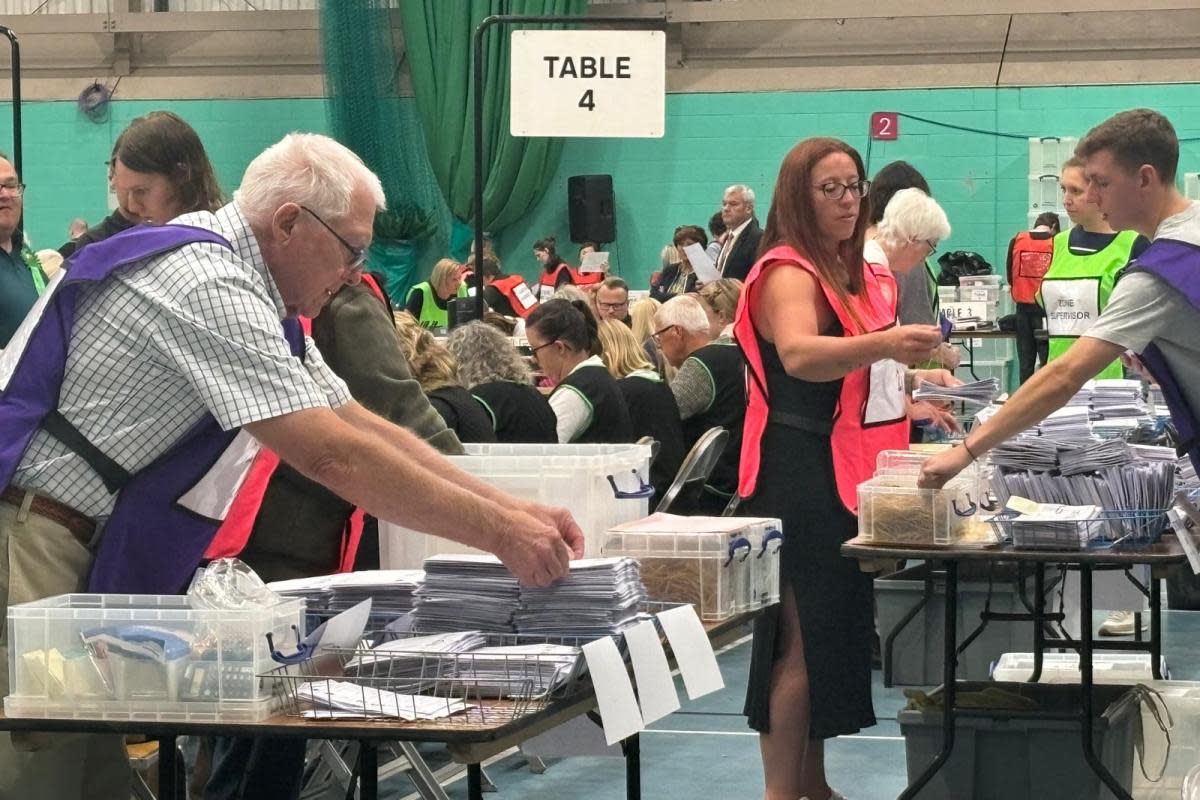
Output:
(115, 476)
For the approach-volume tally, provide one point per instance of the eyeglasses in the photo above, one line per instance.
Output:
(932, 245)
(612, 306)
(661, 331)
(358, 254)
(533, 350)
(15, 189)
(836, 191)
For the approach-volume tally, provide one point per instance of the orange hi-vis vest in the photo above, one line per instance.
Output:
(1030, 262)
(871, 415)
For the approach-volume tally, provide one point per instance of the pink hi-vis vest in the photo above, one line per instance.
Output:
(870, 414)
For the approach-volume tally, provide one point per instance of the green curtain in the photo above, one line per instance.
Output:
(367, 115)
(437, 37)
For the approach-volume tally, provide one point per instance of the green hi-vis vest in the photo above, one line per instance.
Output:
(431, 315)
(1076, 289)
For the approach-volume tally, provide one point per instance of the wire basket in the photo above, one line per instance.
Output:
(472, 688)
(1127, 529)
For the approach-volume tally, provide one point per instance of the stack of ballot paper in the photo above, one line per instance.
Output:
(1050, 525)
(600, 597)
(466, 592)
(1185, 475)
(346, 700)
(978, 393)
(522, 670)
(464, 663)
(390, 589)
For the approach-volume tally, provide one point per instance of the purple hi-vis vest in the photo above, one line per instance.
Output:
(151, 544)
(1178, 264)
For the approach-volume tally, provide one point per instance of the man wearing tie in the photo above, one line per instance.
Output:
(743, 232)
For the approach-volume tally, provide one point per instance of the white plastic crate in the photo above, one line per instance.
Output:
(143, 657)
(575, 476)
(1044, 194)
(1047, 153)
(721, 565)
(1064, 668)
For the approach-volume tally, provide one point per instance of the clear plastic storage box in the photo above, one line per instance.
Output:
(721, 565)
(143, 657)
(1064, 668)
(892, 510)
(602, 485)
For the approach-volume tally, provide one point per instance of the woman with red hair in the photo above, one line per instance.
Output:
(828, 378)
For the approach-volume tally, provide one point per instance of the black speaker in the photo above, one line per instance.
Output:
(590, 208)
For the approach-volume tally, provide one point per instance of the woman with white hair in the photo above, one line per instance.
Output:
(912, 225)
(500, 381)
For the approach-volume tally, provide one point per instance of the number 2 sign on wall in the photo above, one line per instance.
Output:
(885, 125)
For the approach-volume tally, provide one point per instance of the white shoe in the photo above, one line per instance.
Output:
(1120, 623)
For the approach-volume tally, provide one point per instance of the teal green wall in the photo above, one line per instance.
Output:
(713, 140)
(65, 152)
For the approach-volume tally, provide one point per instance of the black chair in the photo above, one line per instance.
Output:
(695, 471)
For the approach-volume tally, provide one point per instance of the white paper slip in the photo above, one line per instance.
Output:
(614, 692)
(656, 687)
(702, 265)
(693, 651)
(594, 262)
(343, 632)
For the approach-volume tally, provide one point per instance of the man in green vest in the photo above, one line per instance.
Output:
(21, 276)
(429, 301)
(1084, 268)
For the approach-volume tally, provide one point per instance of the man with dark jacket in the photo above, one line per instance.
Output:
(742, 234)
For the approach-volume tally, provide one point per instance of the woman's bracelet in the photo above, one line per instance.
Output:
(968, 449)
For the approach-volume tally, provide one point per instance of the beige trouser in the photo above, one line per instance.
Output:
(40, 558)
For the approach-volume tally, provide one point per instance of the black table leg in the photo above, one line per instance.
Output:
(1086, 685)
(474, 782)
(632, 748)
(368, 771)
(1155, 627)
(167, 765)
(1039, 610)
(949, 676)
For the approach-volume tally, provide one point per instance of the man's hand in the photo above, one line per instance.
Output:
(534, 550)
(560, 519)
(940, 468)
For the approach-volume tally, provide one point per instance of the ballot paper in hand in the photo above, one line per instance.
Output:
(702, 265)
(978, 393)
(594, 262)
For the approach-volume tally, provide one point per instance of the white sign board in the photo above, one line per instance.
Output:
(588, 83)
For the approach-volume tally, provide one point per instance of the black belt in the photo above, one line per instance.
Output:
(821, 427)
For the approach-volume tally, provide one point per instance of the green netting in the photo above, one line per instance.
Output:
(368, 116)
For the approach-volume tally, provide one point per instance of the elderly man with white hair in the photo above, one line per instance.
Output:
(709, 388)
(146, 362)
(742, 233)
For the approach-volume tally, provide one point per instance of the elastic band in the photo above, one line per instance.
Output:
(968, 449)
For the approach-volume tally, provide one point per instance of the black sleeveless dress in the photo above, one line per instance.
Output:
(833, 596)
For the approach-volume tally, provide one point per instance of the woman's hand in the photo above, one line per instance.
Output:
(939, 377)
(912, 344)
(948, 356)
(934, 414)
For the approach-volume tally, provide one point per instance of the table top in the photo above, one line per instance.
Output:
(1166, 551)
(471, 738)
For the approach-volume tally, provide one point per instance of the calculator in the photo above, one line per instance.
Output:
(202, 681)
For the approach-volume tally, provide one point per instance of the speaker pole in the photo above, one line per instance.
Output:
(635, 23)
